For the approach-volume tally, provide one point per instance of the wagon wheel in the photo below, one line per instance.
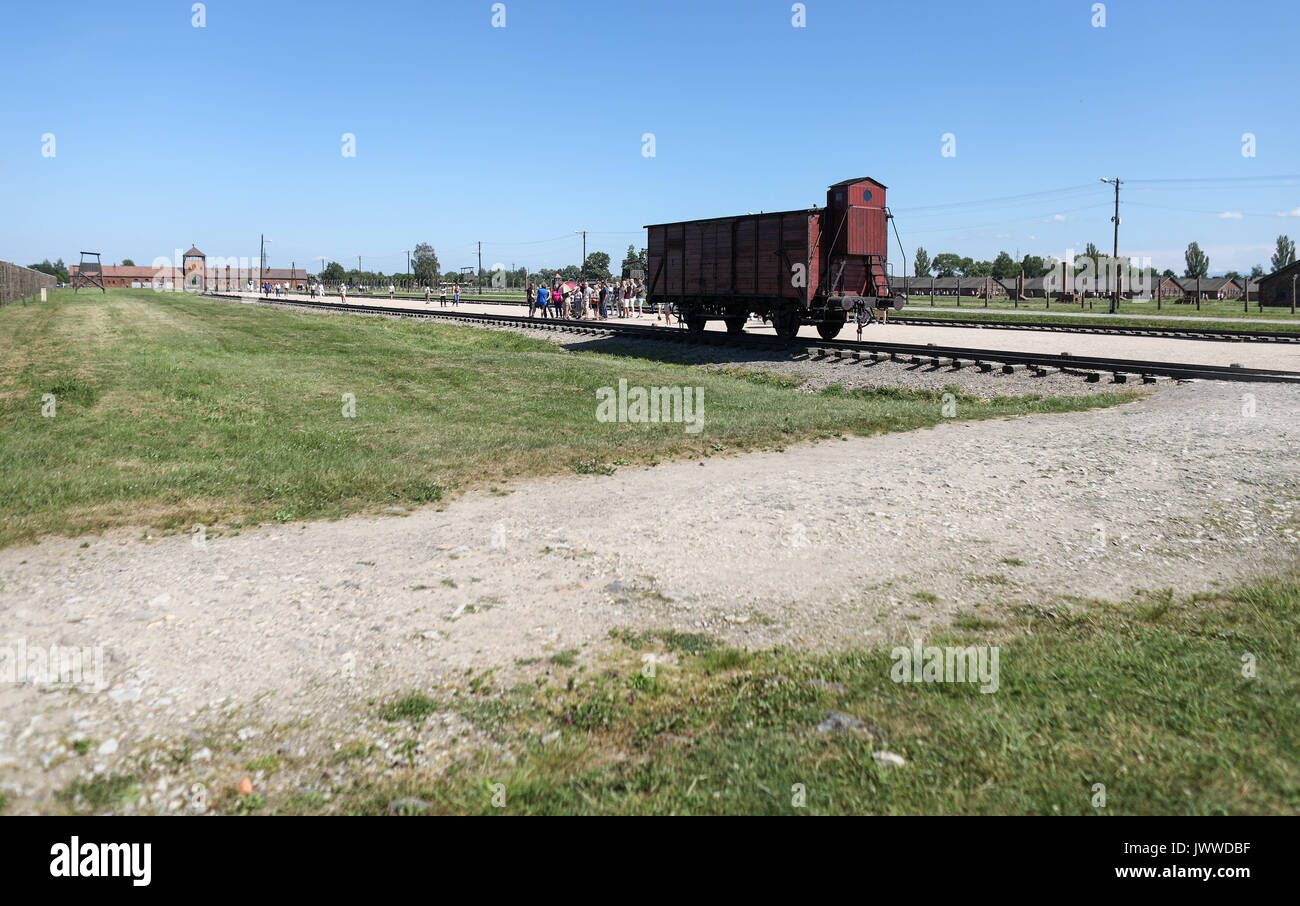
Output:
(831, 327)
(695, 323)
(735, 324)
(786, 323)
(829, 330)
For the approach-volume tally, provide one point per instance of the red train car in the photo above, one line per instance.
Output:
(791, 267)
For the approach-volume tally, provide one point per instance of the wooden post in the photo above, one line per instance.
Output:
(1198, 293)
(932, 292)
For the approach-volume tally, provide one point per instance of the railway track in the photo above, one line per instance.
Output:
(1092, 368)
(1137, 330)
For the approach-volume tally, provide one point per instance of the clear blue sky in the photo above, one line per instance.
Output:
(167, 135)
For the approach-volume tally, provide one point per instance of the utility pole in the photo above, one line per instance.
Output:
(583, 269)
(408, 261)
(1114, 302)
(480, 267)
(261, 261)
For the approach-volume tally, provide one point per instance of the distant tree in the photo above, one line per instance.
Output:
(1005, 266)
(57, 270)
(632, 261)
(1034, 266)
(1092, 252)
(921, 264)
(946, 264)
(424, 263)
(333, 273)
(1285, 254)
(977, 268)
(1198, 263)
(1233, 275)
(127, 262)
(1168, 273)
(573, 272)
(596, 267)
(1257, 271)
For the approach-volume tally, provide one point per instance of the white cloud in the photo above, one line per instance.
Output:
(1294, 212)
(1058, 218)
(1001, 235)
(1231, 215)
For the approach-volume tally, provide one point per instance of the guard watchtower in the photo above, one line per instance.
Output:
(89, 273)
(194, 267)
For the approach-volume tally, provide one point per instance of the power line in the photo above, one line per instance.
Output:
(1026, 196)
(1228, 179)
(955, 229)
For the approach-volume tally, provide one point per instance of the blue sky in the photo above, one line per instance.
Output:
(167, 135)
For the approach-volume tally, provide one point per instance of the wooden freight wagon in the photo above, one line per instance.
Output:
(791, 267)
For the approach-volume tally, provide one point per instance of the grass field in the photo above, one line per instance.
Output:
(1147, 697)
(170, 411)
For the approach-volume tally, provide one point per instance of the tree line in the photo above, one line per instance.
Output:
(426, 271)
(1196, 263)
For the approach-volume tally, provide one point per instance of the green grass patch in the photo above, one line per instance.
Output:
(268, 763)
(1161, 712)
(100, 793)
(414, 708)
(974, 622)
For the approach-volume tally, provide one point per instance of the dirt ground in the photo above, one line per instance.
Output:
(279, 642)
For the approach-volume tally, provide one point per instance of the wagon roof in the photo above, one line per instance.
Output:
(735, 217)
(849, 182)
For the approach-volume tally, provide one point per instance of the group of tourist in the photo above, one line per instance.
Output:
(597, 300)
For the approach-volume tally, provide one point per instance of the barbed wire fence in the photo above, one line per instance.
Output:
(18, 282)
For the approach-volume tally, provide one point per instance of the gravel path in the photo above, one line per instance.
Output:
(818, 372)
(267, 654)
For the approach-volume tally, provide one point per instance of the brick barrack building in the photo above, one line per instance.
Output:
(197, 276)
